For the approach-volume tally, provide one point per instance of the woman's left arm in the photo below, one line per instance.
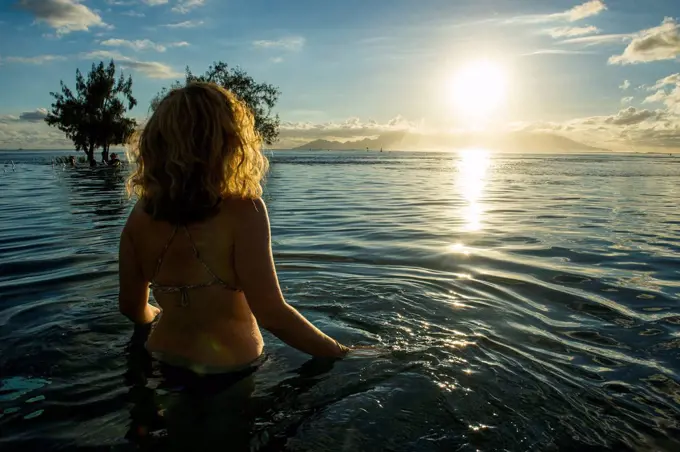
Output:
(133, 298)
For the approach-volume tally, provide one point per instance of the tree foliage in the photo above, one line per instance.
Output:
(260, 97)
(94, 116)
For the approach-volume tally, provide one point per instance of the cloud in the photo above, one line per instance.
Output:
(151, 69)
(38, 59)
(598, 40)
(569, 32)
(64, 16)
(579, 12)
(133, 2)
(350, 129)
(657, 97)
(34, 116)
(557, 52)
(625, 85)
(31, 135)
(133, 13)
(662, 136)
(667, 81)
(28, 130)
(634, 128)
(628, 129)
(5, 119)
(654, 44)
(31, 132)
(276, 60)
(136, 45)
(631, 115)
(142, 44)
(184, 6)
(290, 43)
(185, 24)
(627, 100)
(670, 98)
(587, 9)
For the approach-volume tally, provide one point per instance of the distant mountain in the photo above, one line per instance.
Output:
(543, 142)
(337, 145)
(512, 142)
(384, 140)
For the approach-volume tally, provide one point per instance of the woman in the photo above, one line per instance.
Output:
(199, 238)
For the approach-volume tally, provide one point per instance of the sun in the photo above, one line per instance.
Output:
(479, 89)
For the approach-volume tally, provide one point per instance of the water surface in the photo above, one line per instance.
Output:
(519, 302)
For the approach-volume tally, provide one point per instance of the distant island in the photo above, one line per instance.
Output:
(532, 142)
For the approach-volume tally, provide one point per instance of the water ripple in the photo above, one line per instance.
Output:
(517, 303)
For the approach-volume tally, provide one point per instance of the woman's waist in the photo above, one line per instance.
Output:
(235, 345)
(194, 320)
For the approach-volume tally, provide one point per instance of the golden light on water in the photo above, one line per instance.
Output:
(472, 168)
(459, 248)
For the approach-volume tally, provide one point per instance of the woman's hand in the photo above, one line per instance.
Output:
(150, 314)
(154, 311)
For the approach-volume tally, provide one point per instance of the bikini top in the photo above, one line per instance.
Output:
(183, 290)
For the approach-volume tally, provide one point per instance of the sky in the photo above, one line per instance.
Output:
(602, 72)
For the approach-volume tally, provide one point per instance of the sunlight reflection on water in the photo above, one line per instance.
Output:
(472, 168)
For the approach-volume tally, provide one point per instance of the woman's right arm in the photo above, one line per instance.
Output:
(257, 277)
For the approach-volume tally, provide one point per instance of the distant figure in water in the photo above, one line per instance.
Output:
(199, 239)
(114, 160)
(72, 161)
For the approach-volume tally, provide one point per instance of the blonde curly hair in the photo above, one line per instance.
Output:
(198, 148)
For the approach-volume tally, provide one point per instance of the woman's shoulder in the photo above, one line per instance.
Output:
(138, 218)
(245, 212)
(244, 207)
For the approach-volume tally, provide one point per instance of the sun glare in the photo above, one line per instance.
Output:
(479, 89)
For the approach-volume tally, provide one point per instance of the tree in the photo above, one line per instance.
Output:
(260, 97)
(94, 117)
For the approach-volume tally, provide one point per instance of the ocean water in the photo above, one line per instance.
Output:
(515, 302)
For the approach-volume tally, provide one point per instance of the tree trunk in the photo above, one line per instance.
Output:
(105, 153)
(90, 156)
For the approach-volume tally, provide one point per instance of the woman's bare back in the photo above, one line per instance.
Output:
(206, 318)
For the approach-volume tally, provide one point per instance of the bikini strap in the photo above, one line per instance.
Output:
(162, 255)
(198, 257)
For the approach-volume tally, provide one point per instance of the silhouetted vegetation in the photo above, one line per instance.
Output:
(65, 159)
(94, 116)
(260, 97)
